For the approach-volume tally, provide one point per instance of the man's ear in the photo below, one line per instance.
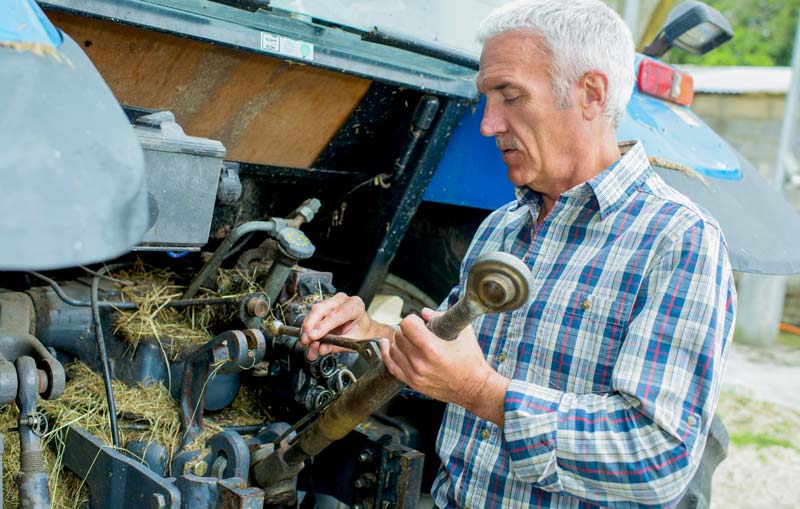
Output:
(594, 93)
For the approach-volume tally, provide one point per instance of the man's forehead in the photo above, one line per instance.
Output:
(508, 55)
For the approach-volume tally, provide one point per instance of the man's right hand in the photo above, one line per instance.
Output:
(343, 315)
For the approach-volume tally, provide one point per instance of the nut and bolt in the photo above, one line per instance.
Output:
(365, 481)
(258, 307)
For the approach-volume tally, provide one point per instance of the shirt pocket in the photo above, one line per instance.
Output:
(582, 332)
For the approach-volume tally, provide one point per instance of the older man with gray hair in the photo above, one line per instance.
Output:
(601, 389)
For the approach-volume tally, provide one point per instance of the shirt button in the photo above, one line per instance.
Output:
(485, 434)
(586, 305)
(501, 357)
(691, 420)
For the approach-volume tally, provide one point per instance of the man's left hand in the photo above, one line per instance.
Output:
(451, 371)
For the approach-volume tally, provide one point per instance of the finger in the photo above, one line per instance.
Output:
(428, 314)
(417, 332)
(311, 324)
(343, 316)
(312, 351)
(406, 347)
(394, 360)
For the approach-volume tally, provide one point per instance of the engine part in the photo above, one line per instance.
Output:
(229, 352)
(230, 185)
(294, 246)
(183, 173)
(368, 349)
(111, 475)
(371, 391)
(497, 282)
(32, 479)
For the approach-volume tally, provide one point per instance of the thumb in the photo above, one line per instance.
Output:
(428, 314)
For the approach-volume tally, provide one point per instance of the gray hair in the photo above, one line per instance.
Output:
(580, 36)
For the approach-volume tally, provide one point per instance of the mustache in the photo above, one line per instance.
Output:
(506, 143)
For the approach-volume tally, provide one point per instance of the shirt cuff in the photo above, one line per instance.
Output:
(531, 422)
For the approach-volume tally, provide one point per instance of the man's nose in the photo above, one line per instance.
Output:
(492, 122)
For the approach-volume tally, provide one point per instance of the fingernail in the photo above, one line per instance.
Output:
(304, 338)
(314, 332)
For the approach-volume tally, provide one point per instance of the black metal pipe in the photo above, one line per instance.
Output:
(210, 301)
(101, 350)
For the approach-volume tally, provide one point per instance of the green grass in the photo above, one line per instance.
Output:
(759, 440)
(785, 338)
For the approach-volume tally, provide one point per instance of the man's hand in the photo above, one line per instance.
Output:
(452, 371)
(340, 314)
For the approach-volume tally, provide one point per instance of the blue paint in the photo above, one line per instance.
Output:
(24, 21)
(177, 254)
(472, 173)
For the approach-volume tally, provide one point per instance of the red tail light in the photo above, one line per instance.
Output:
(661, 80)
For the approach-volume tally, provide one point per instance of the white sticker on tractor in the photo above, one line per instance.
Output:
(286, 46)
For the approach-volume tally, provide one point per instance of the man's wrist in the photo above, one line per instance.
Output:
(487, 399)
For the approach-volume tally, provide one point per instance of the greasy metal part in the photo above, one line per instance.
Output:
(401, 477)
(113, 477)
(32, 479)
(293, 246)
(230, 352)
(368, 349)
(293, 241)
(103, 354)
(497, 282)
(305, 212)
(17, 319)
(210, 301)
(399, 208)
(215, 261)
(231, 447)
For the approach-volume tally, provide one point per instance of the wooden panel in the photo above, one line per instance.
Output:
(263, 109)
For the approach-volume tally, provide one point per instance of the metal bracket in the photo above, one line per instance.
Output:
(114, 477)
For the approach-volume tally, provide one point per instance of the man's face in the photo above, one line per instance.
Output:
(533, 134)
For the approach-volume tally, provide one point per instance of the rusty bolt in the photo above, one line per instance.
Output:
(258, 307)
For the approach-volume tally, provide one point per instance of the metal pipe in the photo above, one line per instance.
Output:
(211, 301)
(104, 362)
(215, 261)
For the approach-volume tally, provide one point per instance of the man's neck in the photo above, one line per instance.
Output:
(587, 166)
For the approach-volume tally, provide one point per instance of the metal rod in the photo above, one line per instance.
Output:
(211, 301)
(104, 363)
(215, 261)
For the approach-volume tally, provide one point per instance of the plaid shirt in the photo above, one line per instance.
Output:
(616, 359)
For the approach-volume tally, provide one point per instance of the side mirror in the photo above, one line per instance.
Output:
(691, 26)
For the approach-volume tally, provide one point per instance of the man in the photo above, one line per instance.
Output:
(601, 389)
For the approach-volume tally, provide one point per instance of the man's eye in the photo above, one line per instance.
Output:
(512, 100)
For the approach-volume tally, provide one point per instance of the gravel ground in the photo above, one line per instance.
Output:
(762, 469)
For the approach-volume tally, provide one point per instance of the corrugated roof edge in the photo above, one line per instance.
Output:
(739, 79)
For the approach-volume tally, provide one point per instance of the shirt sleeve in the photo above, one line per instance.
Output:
(640, 444)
